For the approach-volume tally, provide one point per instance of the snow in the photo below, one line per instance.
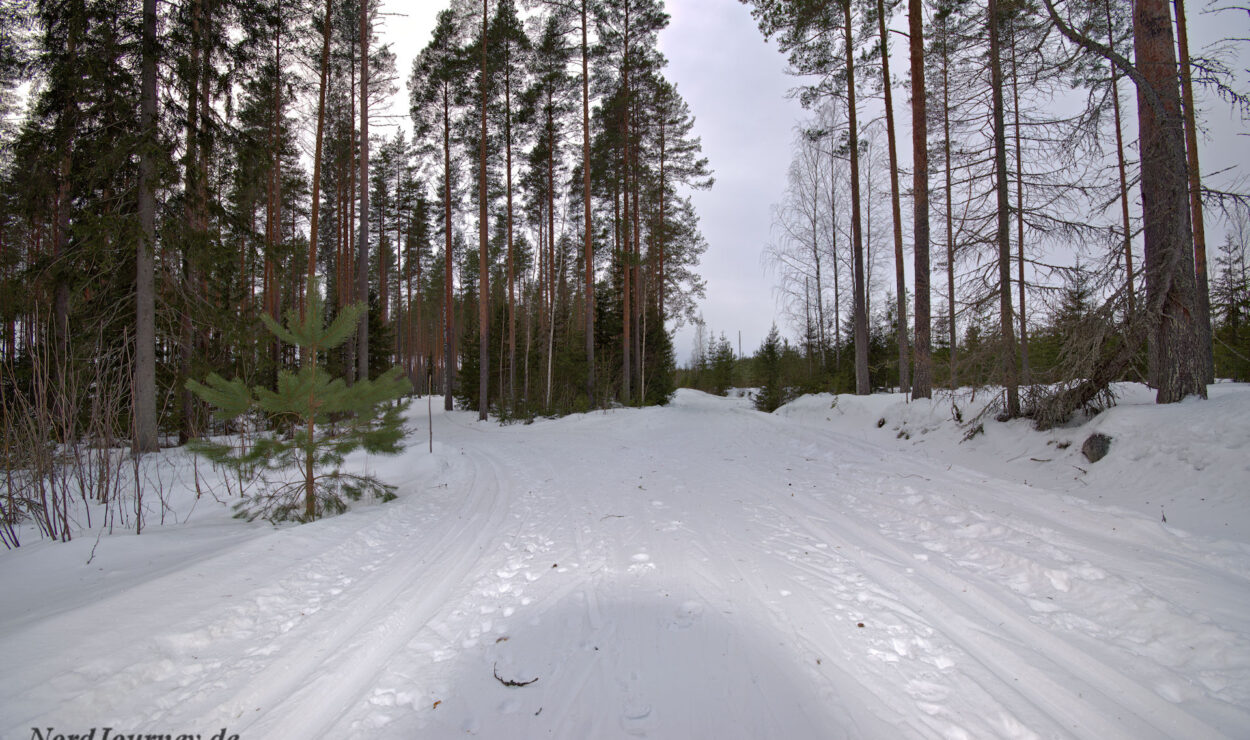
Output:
(696, 571)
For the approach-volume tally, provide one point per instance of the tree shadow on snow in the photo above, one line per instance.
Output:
(661, 668)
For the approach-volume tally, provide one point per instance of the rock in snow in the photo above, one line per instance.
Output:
(1096, 447)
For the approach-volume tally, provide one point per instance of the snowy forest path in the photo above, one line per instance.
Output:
(699, 570)
(333, 664)
(289, 627)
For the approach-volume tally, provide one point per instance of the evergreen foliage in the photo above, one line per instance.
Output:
(772, 394)
(317, 422)
(1230, 303)
(721, 360)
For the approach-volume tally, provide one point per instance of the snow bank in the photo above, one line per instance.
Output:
(1187, 462)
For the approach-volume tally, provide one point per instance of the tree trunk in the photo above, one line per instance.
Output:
(1170, 283)
(833, 247)
(1119, 152)
(588, 247)
(635, 268)
(1015, 112)
(483, 277)
(362, 246)
(448, 358)
(313, 224)
(346, 261)
(814, 224)
(626, 249)
(190, 190)
(953, 338)
(863, 384)
(900, 279)
(551, 249)
(507, 97)
(922, 382)
(145, 437)
(1195, 199)
(1006, 322)
(273, 220)
(626, 308)
(662, 231)
(310, 493)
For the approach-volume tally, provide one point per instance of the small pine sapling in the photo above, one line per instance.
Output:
(317, 421)
(773, 394)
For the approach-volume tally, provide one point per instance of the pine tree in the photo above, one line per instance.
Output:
(145, 439)
(434, 88)
(722, 365)
(1231, 303)
(659, 382)
(922, 381)
(768, 373)
(326, 420)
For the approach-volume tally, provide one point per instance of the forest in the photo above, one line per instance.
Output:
(199, 234)
(183, 176)
(1044, 261)
(343, 391)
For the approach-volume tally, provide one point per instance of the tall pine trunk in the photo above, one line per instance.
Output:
(1171, 288)
(863, 384)
(1195, 197)
(449, 360)
(588, 246)
(813, 222)
(1119, 155)
(273, 218)
(953, 334)
(310, 358)
(626, 309)
(833, 249)
(1006, 322)
(192, 221)
(922, 381)
(551, 249)
(900, 280)
(362, 245)
(483, 293)
(1015, 112)
(507, 98)
(345, 262)
(626, 256)
(145, 438)
(635, 268)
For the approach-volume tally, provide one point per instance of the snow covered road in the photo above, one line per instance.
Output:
(696, 571)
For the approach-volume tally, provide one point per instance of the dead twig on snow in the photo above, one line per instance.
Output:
(508, 682)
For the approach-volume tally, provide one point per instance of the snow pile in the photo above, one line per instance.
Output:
(699, 570)
(1185, 462)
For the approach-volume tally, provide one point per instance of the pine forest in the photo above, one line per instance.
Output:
(602, 369)
(527, 242)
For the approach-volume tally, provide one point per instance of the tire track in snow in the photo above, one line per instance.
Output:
(303, 693)
(212, 616)
(1012, 647)
(881, 676)
(1125, 589)
(998, 636)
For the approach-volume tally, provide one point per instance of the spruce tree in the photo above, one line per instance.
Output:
(722, 365)
(318, 421)
(768, 373)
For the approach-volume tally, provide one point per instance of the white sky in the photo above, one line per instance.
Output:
(736, 86)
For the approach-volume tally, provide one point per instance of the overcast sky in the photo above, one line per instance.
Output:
(737, 88)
